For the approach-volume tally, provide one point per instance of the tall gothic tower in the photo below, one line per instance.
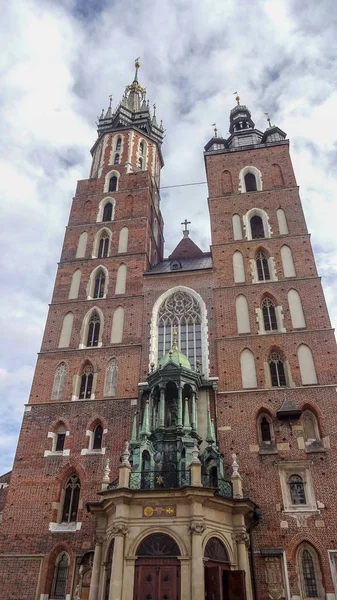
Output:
(180, 438)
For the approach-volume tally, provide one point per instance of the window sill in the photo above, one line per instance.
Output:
(57, 453)
(301, 508)
(64, 527)
(271, 450)
(86, 451)
(312, 448)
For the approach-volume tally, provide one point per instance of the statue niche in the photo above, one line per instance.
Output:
(171, 405)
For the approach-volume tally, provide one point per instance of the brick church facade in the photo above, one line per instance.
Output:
(180, 437)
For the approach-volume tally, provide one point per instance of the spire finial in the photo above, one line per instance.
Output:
(110, 100)
(174, 334)
(186, 231)
(237, 97)
(268, 119)
(137, 65)
(154, 110)
(215, 130)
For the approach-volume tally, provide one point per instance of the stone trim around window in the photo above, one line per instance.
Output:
(301, 468)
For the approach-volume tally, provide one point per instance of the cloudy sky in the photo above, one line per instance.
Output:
(60, 60)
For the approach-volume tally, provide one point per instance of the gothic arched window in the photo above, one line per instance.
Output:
(107, 212)
(99, 285)
(310, 573)
(59, 382)
(93, 330)
(250, 182)
(113, 184)
(103, 246)
(60, 436)
(269, 315)
(265, 431)
(297, 493)
(182, 312)
(256, 226)
(141, 148)
(118, 144)
(116, 161)
(111, 375)
(98, 437)
(140, 162)
(277, 371)
(59, 585)
(71, 500)
(262, 266)
(86, 383)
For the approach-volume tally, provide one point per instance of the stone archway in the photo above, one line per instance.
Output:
(157, 569)
(220, 582)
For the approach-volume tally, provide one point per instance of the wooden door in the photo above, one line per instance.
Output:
(235, 584)
(213, 583)
(157, 579)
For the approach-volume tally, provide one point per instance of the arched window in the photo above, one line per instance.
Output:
(296, 310)
(158, 545)
(242, 314)
(310, 573)
(66, 330)
(121, 279)
(265, 430)
(248, 371)
(256, 226)
(111, 375)
(60, 436)
(87, 379)
(113, 184)
(140, 162)
(307, 365)
(269, 315)
(141, 149)
(262, 266)
(116, 160)
(82, 244)
(59, 382)
(103, 246)
(237, 229)
(107, 212)
(277, 371)
(75, 285)
(71, 499)
(123, 240)
(287, 262)
(93, 330)
(180, 311)
(99, 285)
(117, 326)
(216, 551)
(297, 493)
(238, 267)
(98, 437)
(277, 177)
(118, 144)
(250, 182)
(282, 221)
(59, 585)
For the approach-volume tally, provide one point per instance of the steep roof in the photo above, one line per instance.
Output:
(186, 249)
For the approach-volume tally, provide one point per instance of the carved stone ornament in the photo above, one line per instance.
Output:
(274, 577)
(119, 529)
(197, 527)
(242, 537)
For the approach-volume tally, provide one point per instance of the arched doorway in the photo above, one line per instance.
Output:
(157, 572)
(220, 582)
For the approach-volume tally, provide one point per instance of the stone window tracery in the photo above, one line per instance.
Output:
(59, 585)
(111, 375)
(180, 311)
(103, 246)
(269, 315)
(99, 284)
(263, 272)
(71, 499)
(93, 330)
(86, 383)
(277, 371)
(59, 382)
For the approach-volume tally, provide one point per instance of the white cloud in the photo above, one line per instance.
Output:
(58, 66)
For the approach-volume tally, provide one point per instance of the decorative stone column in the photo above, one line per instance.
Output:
(125, 468)
(106, 475)
(194, 415)
(119, 531)
(180, 407)
(195, 467)
(96, 569)
(162, 408)
(197, 528)
(243, 542)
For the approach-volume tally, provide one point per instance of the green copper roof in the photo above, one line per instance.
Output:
(174, 356)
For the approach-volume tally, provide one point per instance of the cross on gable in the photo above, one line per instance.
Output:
(186, 222)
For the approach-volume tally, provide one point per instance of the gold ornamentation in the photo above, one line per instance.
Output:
(148, 511)
(169, 511)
